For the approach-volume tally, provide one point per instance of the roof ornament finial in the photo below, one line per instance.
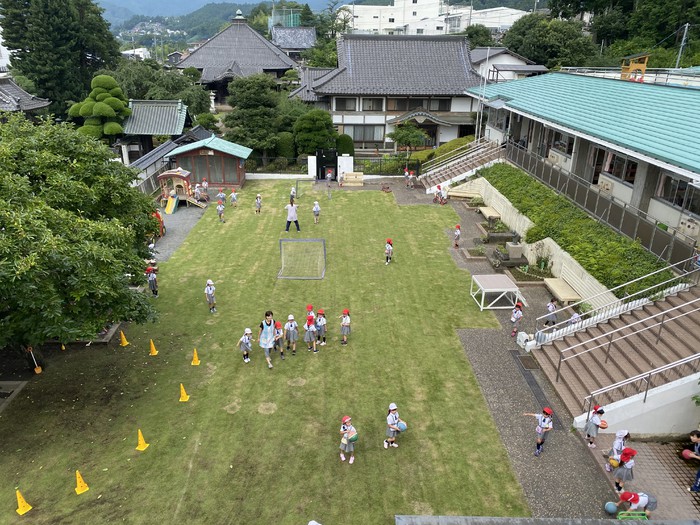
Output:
(239, 16)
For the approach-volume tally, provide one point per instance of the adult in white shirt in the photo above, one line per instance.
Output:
(292, 215)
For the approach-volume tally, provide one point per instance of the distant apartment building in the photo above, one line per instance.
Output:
(427, 17)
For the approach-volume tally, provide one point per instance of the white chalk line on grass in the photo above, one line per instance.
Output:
(187, 480)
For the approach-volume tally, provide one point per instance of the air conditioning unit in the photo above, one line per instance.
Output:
(554, 158)
(689, 226)
(605, 186)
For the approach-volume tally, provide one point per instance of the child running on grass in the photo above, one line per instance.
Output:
(345, 326)
(291, 333)
(233, 198)
(317, 211)
(220, 210)
(279, 335)
(321, 327)
(458, 234)
(221, 196)
(593, 425)
(258, 203)
(392, 429)
(544, 425)
(310, 335)
(245, 343)
(209, 291)
(152, 280)
(347, 431)
(388, 250)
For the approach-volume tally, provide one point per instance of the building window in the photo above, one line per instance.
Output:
(415, 13)
(454, 23)
(563, 143)
(372, 104)
(439, 28)
(678, 192)
(497, 119)
(375, 17)
(345, 104)
(415, 1)
(419, 31)
(620, 167)
(439, 104)
(396, 104)
(361, 133)
(391, 20)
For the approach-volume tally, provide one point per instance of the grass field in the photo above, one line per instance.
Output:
(261, 446)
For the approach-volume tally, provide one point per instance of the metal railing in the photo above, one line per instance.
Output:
(468, 162)
(677, 77)
(689, 267)
(610, 337)
(455, 154)
(670, 244)
(645, 379)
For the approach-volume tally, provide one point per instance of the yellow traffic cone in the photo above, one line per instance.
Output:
(183, 395)
(142, 443)
(22, 506)
(124, 342)
(80, 485)
(195, 358)
(153, 349)
(63, 347)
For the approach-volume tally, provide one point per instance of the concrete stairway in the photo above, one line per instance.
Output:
(478, 154)
(636, 354)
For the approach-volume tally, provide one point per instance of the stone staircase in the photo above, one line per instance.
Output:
(638, 353)
(455, 167)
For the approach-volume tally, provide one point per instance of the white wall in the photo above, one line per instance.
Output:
(668, 411)
(620, 190)
(462, 104)
(502, 59)
(664, 212)
(447, 134)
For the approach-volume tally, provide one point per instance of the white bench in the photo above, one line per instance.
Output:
(561, 290)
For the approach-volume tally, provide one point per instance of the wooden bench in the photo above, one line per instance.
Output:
(489, 213)
(353, 178)
(561, 291)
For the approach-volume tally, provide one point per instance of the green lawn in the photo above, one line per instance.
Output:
(261, 446)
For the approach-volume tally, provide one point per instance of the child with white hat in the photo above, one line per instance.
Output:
(291, 334)
(245, 344)
(209, 291)
(317, 211)
(392, 428)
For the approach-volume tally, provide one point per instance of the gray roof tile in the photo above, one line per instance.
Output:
(294, 37)
(238, 50)
(398, 65)
(156, 117)
(478, 54)
(14, 98)
(307, 77)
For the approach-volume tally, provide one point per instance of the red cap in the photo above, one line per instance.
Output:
(309, 307)
(388, 241)
(458, 227)
(204, 179)
(221, 190)
(346, 311)
(346, 419)
(220, 202)
(320, 311)
(278, 324)
(595, 408)
(547, 410)
(439, 187)
(412, 172)
(632, 497)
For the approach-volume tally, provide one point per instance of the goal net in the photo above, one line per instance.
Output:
(304, 187)
(302, 259)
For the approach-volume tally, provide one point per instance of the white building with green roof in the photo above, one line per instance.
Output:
(635, 145)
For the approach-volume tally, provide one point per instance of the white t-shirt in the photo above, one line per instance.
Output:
(642, 503)
(291, 325)
(209, 290)
(392, 418)
(291, 212)
(345, 320)
(544, 422)
(321, 321)
(551, 307)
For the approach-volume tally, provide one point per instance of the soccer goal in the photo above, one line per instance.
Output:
(304, 187)
(302, 259)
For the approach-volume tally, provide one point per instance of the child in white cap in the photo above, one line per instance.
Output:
(209, 290)
(392, 429)
(258, 203)
(291, 333)
(317, 211)
(245, 344)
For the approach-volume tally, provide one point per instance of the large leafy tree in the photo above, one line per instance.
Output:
(58, 45)
(72, 231)
(252, 121)
(478, 36)
(314, 131)
(408, 136)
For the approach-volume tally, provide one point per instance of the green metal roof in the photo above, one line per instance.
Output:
(660, 122)
(217, 144)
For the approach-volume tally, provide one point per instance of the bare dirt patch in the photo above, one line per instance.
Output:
(297, 381)
(267, 408)
(233, 407)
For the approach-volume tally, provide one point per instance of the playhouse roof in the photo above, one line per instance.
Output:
(217, 144)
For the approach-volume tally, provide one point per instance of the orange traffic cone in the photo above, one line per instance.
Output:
(153, 349)
(195, 358)
(22, 506)
(183, 395)
(142, 443)
(124, 342)
(80, 485)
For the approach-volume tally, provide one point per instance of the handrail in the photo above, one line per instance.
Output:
(589, 399)
(616, 307)
(471, 161)
(445, 158)
(609, 335)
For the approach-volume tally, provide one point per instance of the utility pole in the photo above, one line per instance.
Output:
(685, 38)
(534, 9)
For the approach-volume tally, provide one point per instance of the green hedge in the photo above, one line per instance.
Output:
(610, 257)
(452, 145)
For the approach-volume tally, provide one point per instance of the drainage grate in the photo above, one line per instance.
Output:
(528, 362)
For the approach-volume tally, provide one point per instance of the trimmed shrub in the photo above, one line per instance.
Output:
(207, 121)
(74, 110)
(117, 92)
(344, 144)
(113, 128)
(114, 103)
(285, 145)
(86, 108)
(102, 97)
(97, 92)
(91, 131)
(103, 81)
(103, 110)
(610, 257)
(452, 145)
(93, 121)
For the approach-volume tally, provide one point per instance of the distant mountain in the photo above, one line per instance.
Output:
(115, 14)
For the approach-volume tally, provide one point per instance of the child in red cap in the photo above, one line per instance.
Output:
(593, 425)
(347, 431)
(389, 250)
(625, 471)
(544, 425)
(638, 501)
(220, 210)
(458, 234)
(345, 326)
(310, 335)
(279, 339)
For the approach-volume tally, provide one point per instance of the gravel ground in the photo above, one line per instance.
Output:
(177, 225)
